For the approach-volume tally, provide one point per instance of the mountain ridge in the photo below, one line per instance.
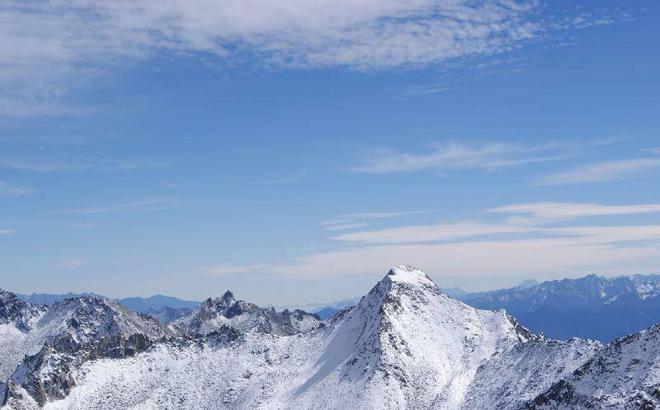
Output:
(405, 344)
(631, 303)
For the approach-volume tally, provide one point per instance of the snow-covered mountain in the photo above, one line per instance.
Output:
(592, 307)
(39, 356)
(243, 316)
(161, 307)
(168, 314)
(404, 345)
(626, 374)
(17, 318)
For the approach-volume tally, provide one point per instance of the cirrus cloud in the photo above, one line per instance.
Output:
(457, 156)
(8, 189)
(602, 172)
(50, 46)
(491, 249)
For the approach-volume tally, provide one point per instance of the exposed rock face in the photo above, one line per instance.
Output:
(245, 317)
(404, 345)
(592, 307)
(624, 375)
(21, 314)
(67, 334)
(168, 314)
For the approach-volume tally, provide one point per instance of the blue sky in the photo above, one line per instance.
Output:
(293, 151)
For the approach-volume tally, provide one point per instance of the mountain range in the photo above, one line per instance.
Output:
(405, 344)
(591, 307)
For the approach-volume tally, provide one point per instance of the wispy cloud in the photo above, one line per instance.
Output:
(7, 189)
(5, 231)
(73, 164)
(535, 212)
(602, 171)
(344, 227)
(655, 151)
(475, 258)
(355, 220)
(455, 157)
(229, 269)
(424, 89)
(507, 247)
(50, 46)
(280, 181)
(70, 263)
(429, 233)
(142, 205)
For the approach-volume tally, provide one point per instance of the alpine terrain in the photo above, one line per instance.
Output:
(405, 345)
(591, 307)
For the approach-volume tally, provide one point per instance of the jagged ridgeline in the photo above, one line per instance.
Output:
(404, 345)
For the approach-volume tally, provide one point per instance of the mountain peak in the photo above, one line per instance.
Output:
(228, 297)
(245, 317)
(410, 274)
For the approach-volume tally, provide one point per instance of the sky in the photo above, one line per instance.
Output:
(293, 151)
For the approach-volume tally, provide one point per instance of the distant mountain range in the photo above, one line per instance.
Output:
(406, 344)
(163, 308)
(592, 307)
(51, 298)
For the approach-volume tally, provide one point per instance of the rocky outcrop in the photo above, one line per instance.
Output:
(214, 313)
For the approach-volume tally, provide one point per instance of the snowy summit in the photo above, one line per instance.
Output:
(404, 345)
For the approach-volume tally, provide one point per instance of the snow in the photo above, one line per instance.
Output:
(625, 374)
(647, 290)
(213, 314)
(15, 345)
(404, 345)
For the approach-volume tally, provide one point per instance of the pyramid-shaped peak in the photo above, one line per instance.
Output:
(228, 296)
(406, 273)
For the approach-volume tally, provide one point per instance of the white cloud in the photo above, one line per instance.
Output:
(424, 89)
(534, 212)
(611, 234)
(228, 269)
(280, 181)
(52, 45)
(429, 233)
(481, 258)
(5, 231)
(602, 171)
(455, 157)
(490, 249)
(356, 220)
(344, 227)
(70, 263)
(72, 164)
(7, 189)
(142, 205)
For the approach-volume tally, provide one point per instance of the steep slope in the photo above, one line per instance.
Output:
(15, 311)
(17, 319)
(157, 302)
(405, 342)
(73, 331)
(591, 307)
(510, 379)
(404, 345)
(214, 313)
(168, 315)
(52, 298)
(625, 375)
